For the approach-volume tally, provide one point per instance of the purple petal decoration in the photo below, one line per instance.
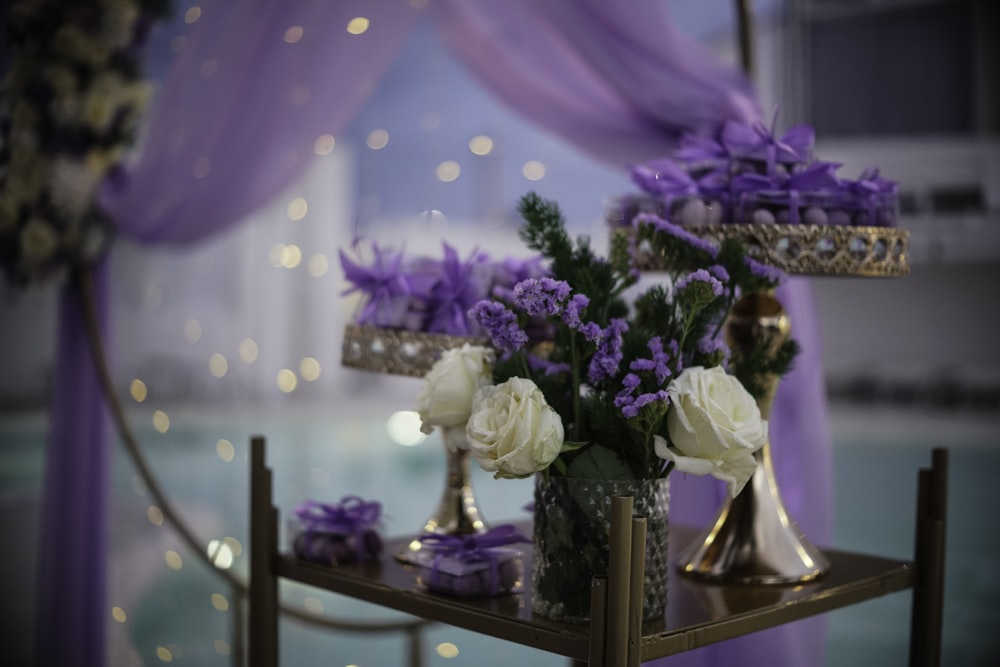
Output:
(663, 177)
(387, 290)
(455, 292)
(757, 142)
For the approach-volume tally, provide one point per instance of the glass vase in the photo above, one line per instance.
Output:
(572, 523)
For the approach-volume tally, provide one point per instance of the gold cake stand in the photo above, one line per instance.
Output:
(412, 354)
(752, 539)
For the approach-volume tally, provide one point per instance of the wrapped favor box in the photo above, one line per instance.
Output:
(483, 573)
(335, 534)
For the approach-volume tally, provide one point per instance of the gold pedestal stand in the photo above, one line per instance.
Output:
(412, 354)
(753, 539)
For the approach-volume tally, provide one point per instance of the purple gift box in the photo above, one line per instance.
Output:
(334, 534)
(470, 566)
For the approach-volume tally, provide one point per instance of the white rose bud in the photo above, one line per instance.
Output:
(446, 397)
(513, 432)
(714, 425)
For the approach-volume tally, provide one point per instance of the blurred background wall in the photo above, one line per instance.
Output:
(908, 85)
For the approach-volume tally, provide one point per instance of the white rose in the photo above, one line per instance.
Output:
(714, 426)
(446, 397)
(513, 432)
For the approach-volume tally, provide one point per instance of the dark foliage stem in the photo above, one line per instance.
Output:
(83, 284)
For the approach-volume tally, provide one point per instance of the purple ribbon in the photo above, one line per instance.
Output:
(757, 141)
(474, 548)
(699, 151)
(869, 190)
(351, 516)
(387, 288)
(816, 177)
(663, 177)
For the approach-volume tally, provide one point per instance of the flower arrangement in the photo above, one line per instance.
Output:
(746, 174)
(587, 385)
(74, 97)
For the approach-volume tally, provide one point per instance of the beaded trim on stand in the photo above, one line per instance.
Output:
(808, 249)
(396, 351)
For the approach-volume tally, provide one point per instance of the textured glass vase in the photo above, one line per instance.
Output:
(572, 523)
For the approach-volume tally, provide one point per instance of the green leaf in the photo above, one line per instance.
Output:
(599, 462)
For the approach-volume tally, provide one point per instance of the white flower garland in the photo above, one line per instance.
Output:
(73, 98)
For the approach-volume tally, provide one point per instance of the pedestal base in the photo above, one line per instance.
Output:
(752, 540)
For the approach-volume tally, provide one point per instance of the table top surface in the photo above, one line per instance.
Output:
(697, 613)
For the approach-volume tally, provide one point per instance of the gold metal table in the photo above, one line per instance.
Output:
(697, 614)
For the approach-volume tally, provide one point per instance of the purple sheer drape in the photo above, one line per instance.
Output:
(258, 82)
(615, 79)
(237, 121)
(71, 610)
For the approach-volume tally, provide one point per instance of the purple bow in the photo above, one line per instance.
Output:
(819, 176)
(472, 548)
(757, 141)
(871, 183)
(387, 289)
(869, 191)
(352, 516)
(663, 177)
(348, 516)
(697, 150)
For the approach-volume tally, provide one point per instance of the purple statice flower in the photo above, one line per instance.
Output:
(592, 331)
(700, 276)
(571, 313)
(500, 324)
(659, 364)
(660, 358)
(541, 296)
(642, 365)
(719, 272)
(625, 397)
(709, 346)
(764, 271)
(675, 231)
(549, 368)
(633, 408)
(604, 363)
(510, 272)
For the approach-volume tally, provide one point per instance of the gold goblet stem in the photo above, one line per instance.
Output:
(457, 512)
(752, 539)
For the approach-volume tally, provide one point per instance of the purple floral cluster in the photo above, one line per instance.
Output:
(628, 400)
(764, 271)
(604, 364)
(426, 294)
(541, 296)
(676, 231)
(500, 324)
(700, 280)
